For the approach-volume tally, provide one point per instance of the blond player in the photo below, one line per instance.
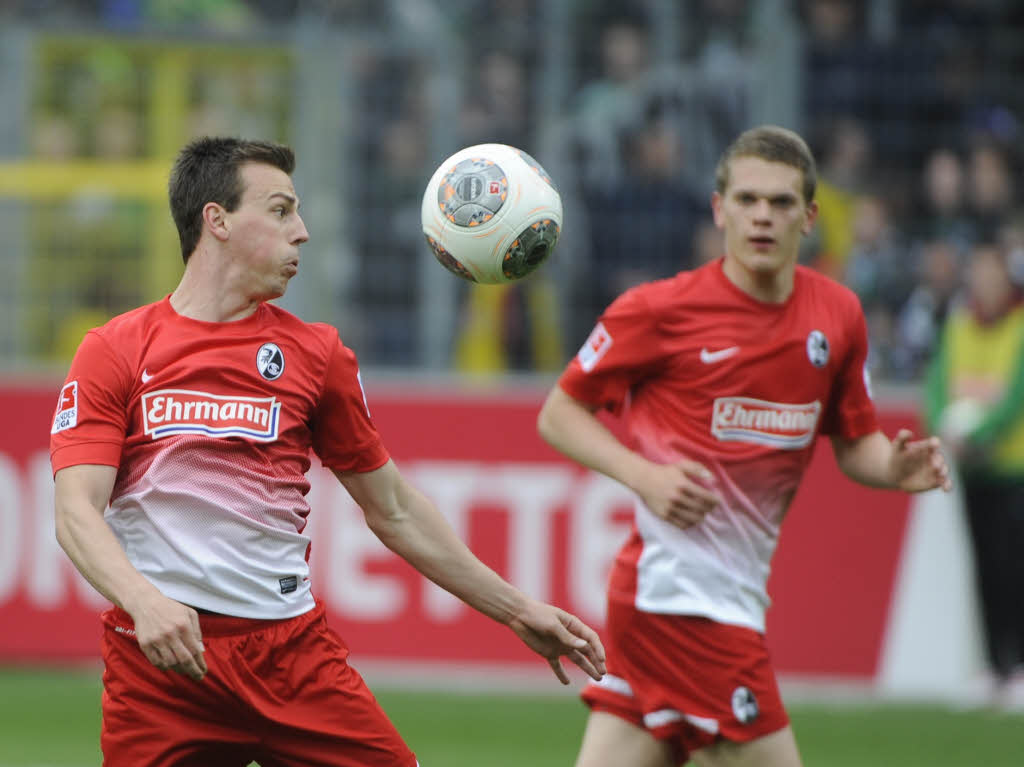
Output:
(724, 376)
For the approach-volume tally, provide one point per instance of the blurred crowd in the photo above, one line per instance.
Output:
(918, 136)
(914, 119)
(913, 109)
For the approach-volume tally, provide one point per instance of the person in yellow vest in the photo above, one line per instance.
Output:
(974, 398)
(511, 327)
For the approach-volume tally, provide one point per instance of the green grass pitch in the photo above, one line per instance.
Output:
(50, 718)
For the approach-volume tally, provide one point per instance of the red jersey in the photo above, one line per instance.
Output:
(701, 370)
(210, 425)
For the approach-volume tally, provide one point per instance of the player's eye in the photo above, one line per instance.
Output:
(746, 198)
(783, 202)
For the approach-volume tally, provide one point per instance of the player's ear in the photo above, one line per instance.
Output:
(215, 219)
(810, 218)
(716, 210)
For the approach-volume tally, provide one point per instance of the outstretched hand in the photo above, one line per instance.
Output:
(919, 465)
(552, 632)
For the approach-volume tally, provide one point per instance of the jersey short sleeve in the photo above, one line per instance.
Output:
(344, 436)
(621, 351)
(91, 407)
(851, 412)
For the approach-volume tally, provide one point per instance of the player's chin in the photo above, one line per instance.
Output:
(761, 263)
(766, 261)
(275, 290)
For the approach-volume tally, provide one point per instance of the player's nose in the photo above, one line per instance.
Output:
(302, 234)
(762, 210)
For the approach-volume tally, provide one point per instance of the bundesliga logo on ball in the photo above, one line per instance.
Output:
(491, 214)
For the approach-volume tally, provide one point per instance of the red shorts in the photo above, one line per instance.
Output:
(687, 680)
(277, 692)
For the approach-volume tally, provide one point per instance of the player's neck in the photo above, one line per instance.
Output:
(208, 297)
(770, 286)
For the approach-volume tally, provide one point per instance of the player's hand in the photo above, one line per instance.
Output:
(681, 493)
(919, 465)
(168, 634)
(552, 632)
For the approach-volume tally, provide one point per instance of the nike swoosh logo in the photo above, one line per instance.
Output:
(709, 358)
(145, 376)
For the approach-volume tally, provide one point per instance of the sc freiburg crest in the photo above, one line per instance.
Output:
(270, 361)
(744, 705)
(817, 348)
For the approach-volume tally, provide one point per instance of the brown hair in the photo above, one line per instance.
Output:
(772, 144)
(207, 170)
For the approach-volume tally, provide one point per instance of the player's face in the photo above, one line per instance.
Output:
(266, 230)
(763, 215)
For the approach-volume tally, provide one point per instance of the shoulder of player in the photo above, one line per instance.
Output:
(125, 330)
(647, 306)
(822, 284)
(309, 335)
(667, 290)
(111, 352)
(136, 317)
(295, 324)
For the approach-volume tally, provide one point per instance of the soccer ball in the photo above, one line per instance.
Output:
(491, 214)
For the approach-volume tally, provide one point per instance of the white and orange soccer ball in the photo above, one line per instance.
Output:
(491, 214)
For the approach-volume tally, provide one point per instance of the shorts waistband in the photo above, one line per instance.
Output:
(215, 624)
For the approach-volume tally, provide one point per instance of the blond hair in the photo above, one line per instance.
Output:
(772, 144)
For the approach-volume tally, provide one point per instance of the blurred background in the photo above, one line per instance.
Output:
(913, 109)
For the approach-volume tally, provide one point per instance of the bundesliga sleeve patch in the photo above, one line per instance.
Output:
(594, 348)
(67, 408)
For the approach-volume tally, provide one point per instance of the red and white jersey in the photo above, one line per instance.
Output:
(700, 370)
(210, 426)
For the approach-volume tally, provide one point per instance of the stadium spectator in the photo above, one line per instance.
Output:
(92, 239)
(719, 32)
(971, 60)
(723, 377)
(894, 84)
(390, 242)
(943, 20)
(838, 59)
(119, 134)
(193, 418)
(879, 271)
(500, 88)
(990, 191)
(920, 320)
(1011, 239)
(975, 400)
(642, 227)
(940, 212)
(609, 99)
(846, 168)
(507, 24)
(510, 327)
(54, 138)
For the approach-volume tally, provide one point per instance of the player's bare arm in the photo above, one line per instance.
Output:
(167, 631)
(681, 493)
(411, 526)
(903, 463)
